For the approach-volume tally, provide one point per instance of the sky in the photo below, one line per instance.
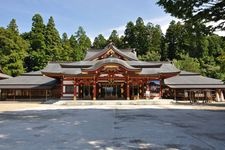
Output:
(95, 16)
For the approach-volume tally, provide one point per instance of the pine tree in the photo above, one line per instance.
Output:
(83, 43)
(37, 58)
(115, 39)
(53, 41)
(13, 27)
(67, 49)
(99, 42)
(13, 50)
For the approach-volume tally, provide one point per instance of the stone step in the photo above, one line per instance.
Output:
(115, 102)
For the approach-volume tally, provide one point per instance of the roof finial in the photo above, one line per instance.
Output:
(110, 43)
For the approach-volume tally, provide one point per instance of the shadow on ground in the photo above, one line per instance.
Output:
(112, 128)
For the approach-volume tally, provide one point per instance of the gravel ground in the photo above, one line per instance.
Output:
(113, 127)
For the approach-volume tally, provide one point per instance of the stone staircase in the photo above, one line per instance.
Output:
(115, 102)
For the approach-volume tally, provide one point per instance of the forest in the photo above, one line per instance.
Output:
(189, 47)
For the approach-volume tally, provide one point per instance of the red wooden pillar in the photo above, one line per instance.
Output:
(94, 90)
(128, 89)
(75, 90)
(62, 87)
(160, 92)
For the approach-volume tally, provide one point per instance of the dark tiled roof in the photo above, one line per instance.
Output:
(168, 68)
(54, 68)
(186, 73)
(102, 62)
(150, 71)
(193, 81)
(221, 86)
(141, 64)
(33, 73)
(4, 76)
(27, 82)
(164, 68)
(93, 53)
(77, 64)
(71, 71)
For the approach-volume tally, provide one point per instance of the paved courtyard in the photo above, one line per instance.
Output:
(113, 127)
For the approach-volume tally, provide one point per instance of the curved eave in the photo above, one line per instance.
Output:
(94, 68)
(54, 74)
(196, 86)
(26, 86)
(165, 75)
(106, 49)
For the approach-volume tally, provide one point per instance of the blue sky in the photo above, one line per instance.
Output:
(96, 16)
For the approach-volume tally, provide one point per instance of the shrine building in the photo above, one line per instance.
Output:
(109, 74)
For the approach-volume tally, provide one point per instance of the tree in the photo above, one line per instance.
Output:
(13, 27)
(163, 49)
(187, 63)
(37, 58)
(150, 56)
(99, 42)
(141, 37)
(130, 35)
(114, 38)
(197, 11)
(66, 48)
(79, 42)
(174, 39)
(52, 41)
(145, 38)
(221, 59)
(13, 50)
(37, 33)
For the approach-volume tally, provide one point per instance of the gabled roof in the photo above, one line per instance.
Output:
(168, 68)
(28, 82)
(127, 53)
(193, 80)
(54, 68)
(106, 61)
(58, 69)
(143, 64)
(33, 73)
(4, 76)
(165, 67)
(77, 64)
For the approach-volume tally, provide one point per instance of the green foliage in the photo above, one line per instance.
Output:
(13, 50)
(37, 38)
(188, 44)
(196, 10)
(66, 48)
(187, 63)
(150, 56)
(221, 60)
(145, 38)
(115, 39)
(37, 51)
(99, 42)
(13, 27)
(53, 41)
(83, 44)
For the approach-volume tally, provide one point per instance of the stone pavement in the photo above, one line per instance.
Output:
(113, 127)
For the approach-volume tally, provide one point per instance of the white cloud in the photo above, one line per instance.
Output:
(163, 21)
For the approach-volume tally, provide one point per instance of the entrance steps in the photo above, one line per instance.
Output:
(115, 102)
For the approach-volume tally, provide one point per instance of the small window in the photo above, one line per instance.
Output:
(69, 88)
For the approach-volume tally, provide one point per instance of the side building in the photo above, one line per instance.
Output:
(110, 73)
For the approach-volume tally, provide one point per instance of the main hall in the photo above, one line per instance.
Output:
(110, 73)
